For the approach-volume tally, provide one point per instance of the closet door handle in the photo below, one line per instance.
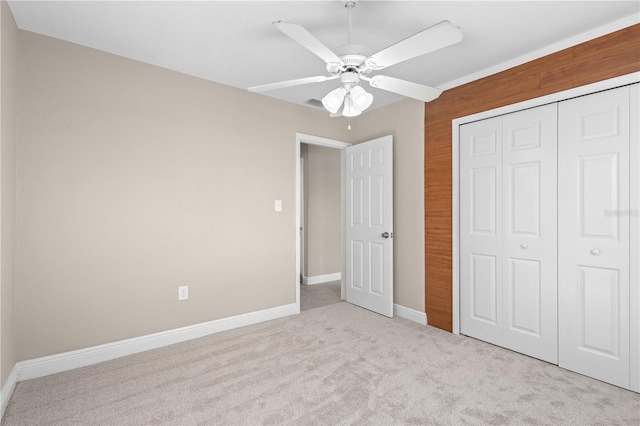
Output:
(524, 245)
(595, 252)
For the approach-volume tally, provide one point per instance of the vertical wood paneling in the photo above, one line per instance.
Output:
(606, 57)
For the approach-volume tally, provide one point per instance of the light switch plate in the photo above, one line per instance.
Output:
(278, 205)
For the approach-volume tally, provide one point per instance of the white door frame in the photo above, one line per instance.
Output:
(330, 143)
(455, 169)
(301, 228)
(634, 329)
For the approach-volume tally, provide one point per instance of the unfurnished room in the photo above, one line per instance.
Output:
(319, 212)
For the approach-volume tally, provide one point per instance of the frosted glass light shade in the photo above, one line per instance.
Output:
(361, 99)
(334, 99)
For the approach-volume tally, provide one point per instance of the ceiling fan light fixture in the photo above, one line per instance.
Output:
(361, 99)
(334, 99)
(350, 109)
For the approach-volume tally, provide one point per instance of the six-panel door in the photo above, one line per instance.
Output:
(369, 225)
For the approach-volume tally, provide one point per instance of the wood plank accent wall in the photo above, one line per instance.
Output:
(605, 57)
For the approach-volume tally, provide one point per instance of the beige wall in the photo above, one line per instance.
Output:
(403, 120)
(134, 180)
(323, 237)
(8, 35)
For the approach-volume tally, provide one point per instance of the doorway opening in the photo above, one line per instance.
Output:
(306, 274)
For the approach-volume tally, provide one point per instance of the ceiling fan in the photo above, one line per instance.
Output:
(352, 63)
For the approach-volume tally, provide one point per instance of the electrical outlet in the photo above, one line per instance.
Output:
(183, 292)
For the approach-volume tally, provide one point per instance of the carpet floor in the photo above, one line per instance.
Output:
(319, 295)
(336, 364)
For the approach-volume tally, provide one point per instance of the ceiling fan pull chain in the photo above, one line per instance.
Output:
(348, 102)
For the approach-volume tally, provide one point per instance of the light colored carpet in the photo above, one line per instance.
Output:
(338, 364)
(318, 295)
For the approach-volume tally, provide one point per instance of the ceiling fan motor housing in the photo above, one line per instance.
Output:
(353, 57)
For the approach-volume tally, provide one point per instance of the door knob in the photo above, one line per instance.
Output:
(524, 245)
(385, 235)
(595, 252)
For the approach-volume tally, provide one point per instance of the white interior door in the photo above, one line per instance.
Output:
(481, 230)
(593, 185)
(529, 237)
(369, 225)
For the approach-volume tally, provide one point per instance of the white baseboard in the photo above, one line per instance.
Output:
(320, 279)
(52, 364)
(7, 390)
(410, 314)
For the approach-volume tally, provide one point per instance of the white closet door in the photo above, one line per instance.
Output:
(481, 230)
(529, 241)
(593, 185)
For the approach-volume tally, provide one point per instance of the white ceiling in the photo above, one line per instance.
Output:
(234, 43)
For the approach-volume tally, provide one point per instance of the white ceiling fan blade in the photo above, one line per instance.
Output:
(306, 39)
(290, 83)
(433, 38)
(406, 88)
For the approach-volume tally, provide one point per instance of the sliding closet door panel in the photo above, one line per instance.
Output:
(481, 230)
(593, 185)
(530, 232)
(634, 218)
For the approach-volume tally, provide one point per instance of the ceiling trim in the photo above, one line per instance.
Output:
(552, 48)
